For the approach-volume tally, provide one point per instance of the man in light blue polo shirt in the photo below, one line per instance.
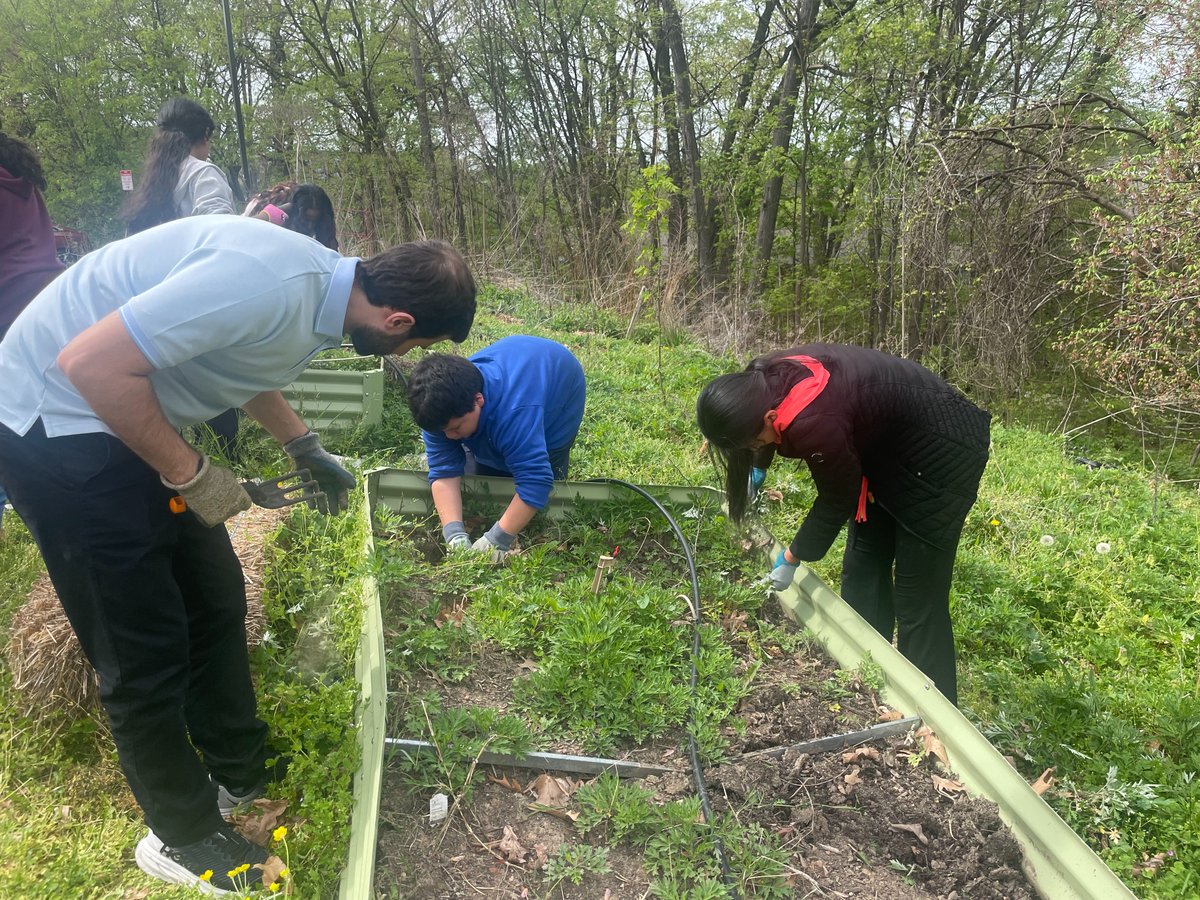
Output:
(164, 329)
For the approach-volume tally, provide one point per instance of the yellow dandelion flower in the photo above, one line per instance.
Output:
(994, 522)
(208, 874)
(279, 833)
(284, 872)
(274, 886)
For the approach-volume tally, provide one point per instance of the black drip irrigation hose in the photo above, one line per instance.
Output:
(693, 753)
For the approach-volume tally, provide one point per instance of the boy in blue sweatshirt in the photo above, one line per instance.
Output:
(512, 409)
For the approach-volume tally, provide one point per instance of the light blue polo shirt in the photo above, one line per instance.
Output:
(223, 307)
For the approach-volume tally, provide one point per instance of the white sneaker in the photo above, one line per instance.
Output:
(206, 864)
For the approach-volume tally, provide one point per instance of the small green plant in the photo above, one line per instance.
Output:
(574, 862)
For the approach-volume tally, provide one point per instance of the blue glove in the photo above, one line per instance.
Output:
(757, 477)
(330, 475)
(456, 537)
(495, 544)
(783, 574)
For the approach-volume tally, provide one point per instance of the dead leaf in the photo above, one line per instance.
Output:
(541, 856)
(508, 848)
(262, 818)
(914, 829)
(947, 786)
(861, 753)
(773, 495)
(1044, 783)
(1150, 864)
(933, 744)
(889, 715)
(271, 870)
(528, 665)
(504, 781)
(551, 791)
(140, 894)
(849, 781)
(569, 814)
(703, 451)
(735, 621)
(453, 616)
(64, 813)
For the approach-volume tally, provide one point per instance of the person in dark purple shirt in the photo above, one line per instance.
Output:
(28, 259)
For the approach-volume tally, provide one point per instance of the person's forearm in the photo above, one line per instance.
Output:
(114, 378)
(517, 515)
(447, 499)
(275, 414)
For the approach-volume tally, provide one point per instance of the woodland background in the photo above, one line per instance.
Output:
(995, 187)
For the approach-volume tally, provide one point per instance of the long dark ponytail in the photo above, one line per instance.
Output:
(182, 123)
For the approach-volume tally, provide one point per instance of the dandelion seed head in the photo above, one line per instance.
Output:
(1103, 547)
(1046, 540)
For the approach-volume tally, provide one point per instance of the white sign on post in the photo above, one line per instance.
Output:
(126, 180)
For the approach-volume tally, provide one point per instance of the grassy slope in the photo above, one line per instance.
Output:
(1070, 657)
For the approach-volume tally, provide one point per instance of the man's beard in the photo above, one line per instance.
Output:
(371, 341)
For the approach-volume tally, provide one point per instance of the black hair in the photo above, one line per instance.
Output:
(442, 387)
(321, 226)
(427, 279)
(182, 123)
(20, 161)
(730, 413)
(309, 209)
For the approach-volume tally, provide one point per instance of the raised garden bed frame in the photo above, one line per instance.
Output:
(1058, 863)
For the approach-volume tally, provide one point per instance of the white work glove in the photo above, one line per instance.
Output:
(456, 537)
(213, 495)
(323, 468)
(784, 572)
(496, 543)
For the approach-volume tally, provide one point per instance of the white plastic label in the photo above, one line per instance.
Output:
(438, 806)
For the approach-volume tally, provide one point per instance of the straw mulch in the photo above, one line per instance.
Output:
(48, 666)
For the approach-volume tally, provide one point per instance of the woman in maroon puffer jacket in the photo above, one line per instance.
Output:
(893, 449)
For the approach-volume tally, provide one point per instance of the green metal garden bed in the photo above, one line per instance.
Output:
(328, 397)
(1058, 862)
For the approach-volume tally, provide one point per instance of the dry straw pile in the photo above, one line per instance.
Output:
(48, 666)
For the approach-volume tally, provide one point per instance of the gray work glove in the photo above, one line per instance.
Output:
(331, 478)
(496, 543)
(213, 495)
(783, 574)
(456, 537)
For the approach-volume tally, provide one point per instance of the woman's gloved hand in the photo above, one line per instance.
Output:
(331, 477)
(757, 477)
(784, 572)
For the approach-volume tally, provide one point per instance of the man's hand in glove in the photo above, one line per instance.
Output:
(307, 453)
(213, 495)
(496, 543)
(783, 573)
(456, 537)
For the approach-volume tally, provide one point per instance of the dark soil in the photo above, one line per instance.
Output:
(881, 820)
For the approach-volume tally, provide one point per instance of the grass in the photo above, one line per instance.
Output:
(1069, 657)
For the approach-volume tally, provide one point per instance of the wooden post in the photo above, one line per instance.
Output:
(602, 565)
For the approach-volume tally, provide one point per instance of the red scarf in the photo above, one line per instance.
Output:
(800, 396)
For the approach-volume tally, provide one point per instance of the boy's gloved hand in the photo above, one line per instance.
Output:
(214, 494)
(784, 572)
(307, 453)
(456, 537)
(757, 477)
(496, 543)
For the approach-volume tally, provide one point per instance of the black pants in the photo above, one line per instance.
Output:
(560, 464)
(900, 583)
(158, 602)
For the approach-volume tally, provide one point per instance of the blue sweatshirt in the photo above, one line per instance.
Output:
(533, 392)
